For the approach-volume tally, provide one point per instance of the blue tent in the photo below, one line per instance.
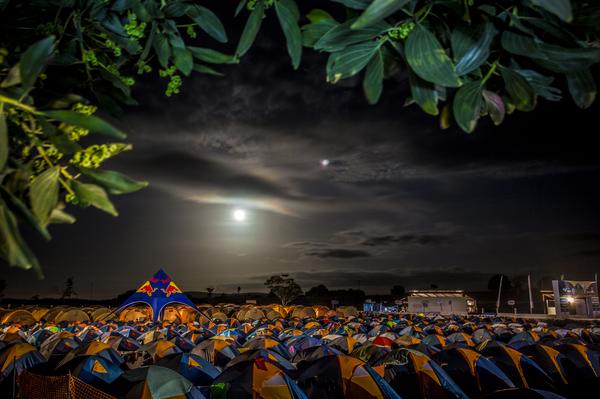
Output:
(158, 292)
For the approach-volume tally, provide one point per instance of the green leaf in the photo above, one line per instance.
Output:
(488, 9)
(446, 117)
(58, 216)
(373, 81)
(476, 54)
(13, 77)
(116, 183)
(553, 29)
(141, 10)
(208, 22)
(287, 13)
(206, 70)
(241, 5)
(467, 106)
(92, 123)
(12, 246)
(317, 15)
(355, 4)
(113, 24)
(428, 59)
(33, 61)
(312, 33)
(162, 49)
(494, 106)
(541, 84)
(24, 211)
(175, 39)
(175, 9)
(212, 56)
(424, 94)
(90, 194)
(351, 60)
(3, 141)
(463, 38)
(251, 29)
(343, 36)
(43, 193)
(64, 144)
(521, 45)
(582, 88)
(555, 58)
(116, 81)
(520, 91)
(560, 8)
(149, 41)
(377, 11)
(183, 60)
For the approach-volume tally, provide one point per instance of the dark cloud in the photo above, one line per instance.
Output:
(350, 244)
(305, 244)
(351, 233)
(583, 237)
(451, 278)
(588, 253)
(339, 253)
(405, 239)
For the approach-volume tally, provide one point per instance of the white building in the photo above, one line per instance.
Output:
(575, 298)
(443, 302)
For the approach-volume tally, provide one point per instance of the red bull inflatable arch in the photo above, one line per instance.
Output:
(158, 292)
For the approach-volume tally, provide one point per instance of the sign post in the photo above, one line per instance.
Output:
(512, 302)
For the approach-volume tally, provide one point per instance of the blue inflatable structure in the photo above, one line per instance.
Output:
(158, 292)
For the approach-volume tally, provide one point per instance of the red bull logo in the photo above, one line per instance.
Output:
(146, 288)
(171, 289)
(156, 280)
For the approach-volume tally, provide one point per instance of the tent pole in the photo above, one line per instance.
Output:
(499, 290)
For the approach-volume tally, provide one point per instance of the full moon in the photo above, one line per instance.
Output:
(239, 215)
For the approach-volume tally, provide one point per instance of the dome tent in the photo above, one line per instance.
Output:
(158, 292)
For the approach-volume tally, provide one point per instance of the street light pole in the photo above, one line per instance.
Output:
(530, 297)
(499, 291)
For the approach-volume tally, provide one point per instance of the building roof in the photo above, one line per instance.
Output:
(437, 293)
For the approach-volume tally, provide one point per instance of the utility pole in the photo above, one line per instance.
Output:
(499, 291)
(530, 296)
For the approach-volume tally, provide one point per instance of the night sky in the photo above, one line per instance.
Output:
(401, 202)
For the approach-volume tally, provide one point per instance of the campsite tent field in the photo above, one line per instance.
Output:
(228, 351)
(159, 344)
